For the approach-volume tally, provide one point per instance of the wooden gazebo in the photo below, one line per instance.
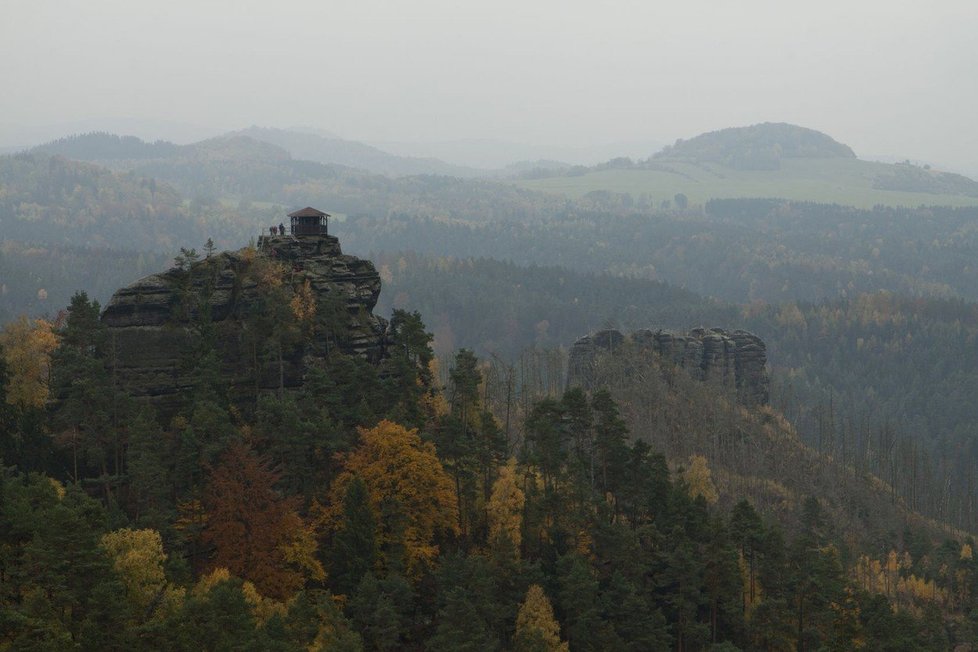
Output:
(309, 221)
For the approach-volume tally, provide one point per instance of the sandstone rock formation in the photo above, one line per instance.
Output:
(736, 359)
(157, 324)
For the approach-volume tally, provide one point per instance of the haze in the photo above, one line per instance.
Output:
(891, 79)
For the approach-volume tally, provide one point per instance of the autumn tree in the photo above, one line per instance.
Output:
(255, 532)
(409, 491)
(27, 346)
(505, 508)
(699, 479)
(536, 628)
(138, 559)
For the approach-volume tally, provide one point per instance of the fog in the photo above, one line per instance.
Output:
(890, 79)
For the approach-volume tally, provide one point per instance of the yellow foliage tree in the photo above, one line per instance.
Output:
(536, 628)
(303, 303)
(699, 479)
(408, 489)
(261, 607)
(27, 348)
(505, 507)
(434, 404)
(138, 558)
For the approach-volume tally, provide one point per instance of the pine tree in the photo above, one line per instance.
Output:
(635, 623)
(610, 441)
(148, 464)
(353, 551)
(578, 600)
(461, 627)
(411, 381)
(383, 611)
(747, 532)
(69, 593)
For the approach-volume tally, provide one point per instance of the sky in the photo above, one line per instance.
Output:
(889, 78)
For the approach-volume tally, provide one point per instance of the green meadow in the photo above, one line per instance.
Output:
(827, 180)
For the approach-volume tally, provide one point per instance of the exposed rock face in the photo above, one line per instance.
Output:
(154, 325)
(737, 359)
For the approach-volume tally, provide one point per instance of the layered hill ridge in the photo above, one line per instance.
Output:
(265, 317)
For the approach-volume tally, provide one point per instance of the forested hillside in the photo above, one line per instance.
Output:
(389, 514)
(735, 250)
(857, 478)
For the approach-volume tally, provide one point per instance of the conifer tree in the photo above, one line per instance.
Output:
(411, 380)
(383, 611)
(353, 551)
(461, 627)
(579, 604)
(610, 441)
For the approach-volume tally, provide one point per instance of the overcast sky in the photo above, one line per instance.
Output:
(886, 77)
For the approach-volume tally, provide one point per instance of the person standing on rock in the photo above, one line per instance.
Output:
(281, 229)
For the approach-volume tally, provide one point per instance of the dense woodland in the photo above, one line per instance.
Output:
(380, 511)
(656, 515)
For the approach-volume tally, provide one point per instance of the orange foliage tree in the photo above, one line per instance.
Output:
(256, 532)
(408, 489)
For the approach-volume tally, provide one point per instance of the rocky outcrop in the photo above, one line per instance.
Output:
(157, 324)
(735, 359)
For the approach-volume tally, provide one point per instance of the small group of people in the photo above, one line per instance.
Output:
(280, 228)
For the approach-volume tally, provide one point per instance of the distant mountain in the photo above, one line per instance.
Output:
(337, 151)
(105, 147)
(758, 147)
(492, 154)
(237, 147)
(28, 136)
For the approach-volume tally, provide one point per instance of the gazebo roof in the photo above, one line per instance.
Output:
(308, 211)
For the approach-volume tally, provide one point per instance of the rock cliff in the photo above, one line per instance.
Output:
(736, 359)
(267, 315)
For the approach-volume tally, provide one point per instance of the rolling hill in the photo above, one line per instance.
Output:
(350, 153)
(769, 160)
